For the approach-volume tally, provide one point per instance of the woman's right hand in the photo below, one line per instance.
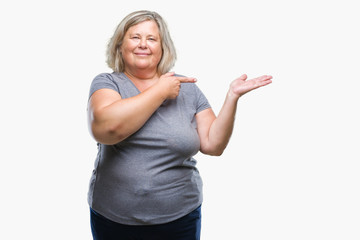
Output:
(170, 84)
(112, 119)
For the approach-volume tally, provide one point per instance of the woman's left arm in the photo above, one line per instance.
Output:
(215, 132)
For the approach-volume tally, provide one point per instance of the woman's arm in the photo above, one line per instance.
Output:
(215, 132)
(112, 119)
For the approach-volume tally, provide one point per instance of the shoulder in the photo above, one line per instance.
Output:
(102, 77)
(188, 87)
(110, 76)
(104, 80)
(115, 79)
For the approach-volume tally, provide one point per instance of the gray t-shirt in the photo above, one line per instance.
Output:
(150, 177)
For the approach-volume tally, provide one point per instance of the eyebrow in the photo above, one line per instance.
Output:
(149, 35)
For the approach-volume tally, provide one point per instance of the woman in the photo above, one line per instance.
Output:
(149, 123)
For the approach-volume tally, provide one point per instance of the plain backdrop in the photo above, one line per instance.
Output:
(291, 170)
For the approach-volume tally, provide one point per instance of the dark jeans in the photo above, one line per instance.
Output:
(185, 228)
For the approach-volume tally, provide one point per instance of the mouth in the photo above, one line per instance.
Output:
(142, 54)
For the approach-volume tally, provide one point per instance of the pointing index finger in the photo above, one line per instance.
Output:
(187, 79)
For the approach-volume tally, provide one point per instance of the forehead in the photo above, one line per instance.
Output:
(146, 27)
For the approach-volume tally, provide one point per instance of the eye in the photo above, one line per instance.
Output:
(135, 37)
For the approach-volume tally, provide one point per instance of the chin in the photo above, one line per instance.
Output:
(144, 66)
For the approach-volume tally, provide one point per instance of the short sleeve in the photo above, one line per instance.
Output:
(201, 101)
(104, 80)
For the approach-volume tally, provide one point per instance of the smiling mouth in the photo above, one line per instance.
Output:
(142, 54)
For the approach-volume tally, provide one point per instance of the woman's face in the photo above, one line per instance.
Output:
(141, 48)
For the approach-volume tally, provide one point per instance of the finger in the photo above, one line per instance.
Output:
(243, 77)
(265, 82)
(266, 77)
(263, 78)
(187, 79)
(169, 74)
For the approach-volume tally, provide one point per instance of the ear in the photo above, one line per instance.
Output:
(119, 50)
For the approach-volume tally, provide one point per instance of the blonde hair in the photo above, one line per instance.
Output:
(114, 57)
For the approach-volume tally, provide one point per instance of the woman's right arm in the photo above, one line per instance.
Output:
(113, 119)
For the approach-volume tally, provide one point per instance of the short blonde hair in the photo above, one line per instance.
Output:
(114, 58)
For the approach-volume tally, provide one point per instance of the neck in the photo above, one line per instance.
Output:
(140, 75)
(142, 79)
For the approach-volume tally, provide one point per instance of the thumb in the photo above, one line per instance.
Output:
(243, 77)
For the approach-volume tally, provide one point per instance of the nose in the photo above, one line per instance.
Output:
(142, 43)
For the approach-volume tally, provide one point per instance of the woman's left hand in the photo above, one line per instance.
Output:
(240, 86)
(215, 131)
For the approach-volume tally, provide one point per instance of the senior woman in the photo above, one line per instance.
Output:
(149, 123)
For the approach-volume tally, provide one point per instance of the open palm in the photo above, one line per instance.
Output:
(240, 86)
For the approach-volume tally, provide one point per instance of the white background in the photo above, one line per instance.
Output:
(291, 170)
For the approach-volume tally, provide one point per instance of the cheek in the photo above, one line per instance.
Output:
(127, 47)
(157, 50)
